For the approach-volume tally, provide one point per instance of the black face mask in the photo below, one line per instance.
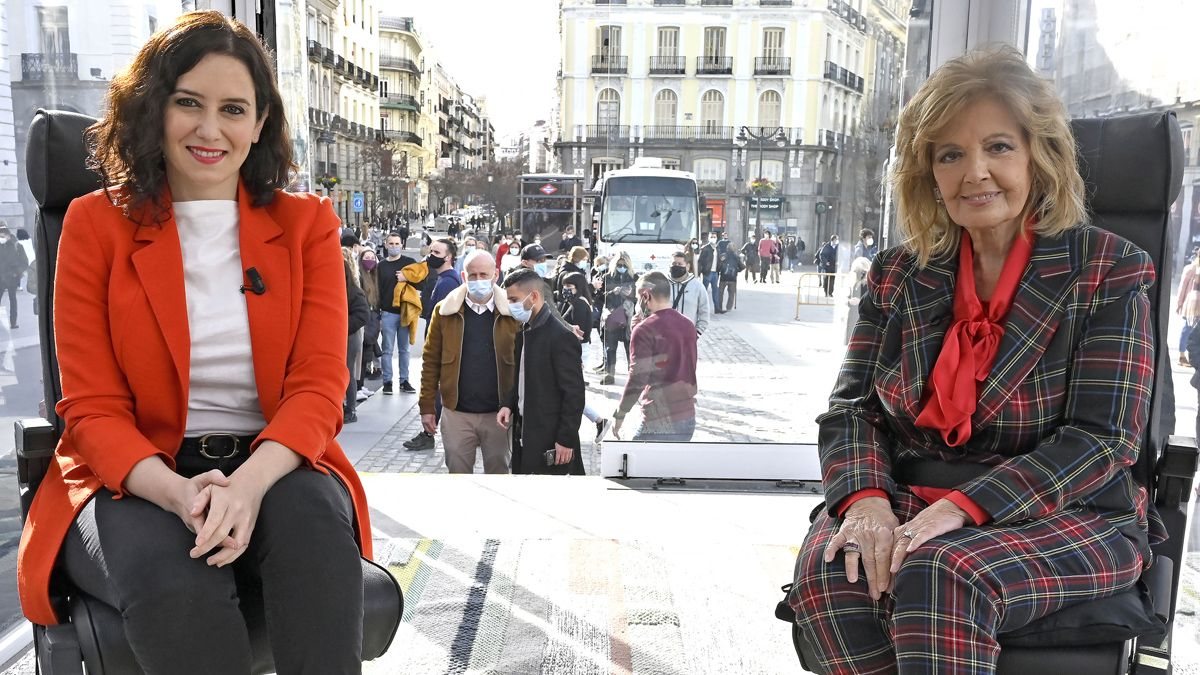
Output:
(677, 271)
(435, 262)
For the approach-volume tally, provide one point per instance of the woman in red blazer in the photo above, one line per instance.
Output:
(199, 421)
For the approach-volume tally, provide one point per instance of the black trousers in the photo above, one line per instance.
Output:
(10, 287)
(182, 616)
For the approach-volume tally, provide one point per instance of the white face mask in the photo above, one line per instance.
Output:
(868, 241)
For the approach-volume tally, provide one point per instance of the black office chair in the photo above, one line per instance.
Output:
(1133, 169)
(92, 633)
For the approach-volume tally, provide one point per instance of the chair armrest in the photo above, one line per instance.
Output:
(35, 440)
(1174, 473)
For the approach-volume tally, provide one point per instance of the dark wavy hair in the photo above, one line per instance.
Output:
(125, 147)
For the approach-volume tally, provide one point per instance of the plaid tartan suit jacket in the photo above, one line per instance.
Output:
(1060, 417)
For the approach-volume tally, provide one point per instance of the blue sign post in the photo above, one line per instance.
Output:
(357, 202)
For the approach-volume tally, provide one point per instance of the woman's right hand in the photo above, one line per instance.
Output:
(866, 536)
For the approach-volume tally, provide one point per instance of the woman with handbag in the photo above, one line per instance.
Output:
(619, 298)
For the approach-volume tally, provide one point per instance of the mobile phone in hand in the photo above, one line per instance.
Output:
(551, 454)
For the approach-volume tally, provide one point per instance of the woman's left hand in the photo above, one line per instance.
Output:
(232, 513)
(936, 519)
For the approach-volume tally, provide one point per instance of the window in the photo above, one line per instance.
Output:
(772, 43)
(714, 43)
(772, 170)
(608, 108)
(666, 105)
(602, 164)
(152, 25)
(709, 169)
(608, 41)
(668, 42)
(712, 111)
(52, 24)
(770, 109)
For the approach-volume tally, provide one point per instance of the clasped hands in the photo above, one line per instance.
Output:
(221, 510)
(871, 535)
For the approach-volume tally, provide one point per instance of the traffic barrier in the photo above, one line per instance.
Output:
(811, 291)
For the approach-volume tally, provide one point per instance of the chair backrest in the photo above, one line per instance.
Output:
(55, 158)
(1133, 169)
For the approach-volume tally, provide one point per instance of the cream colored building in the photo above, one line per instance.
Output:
(405, 114)
(343, 109)
(679, 79)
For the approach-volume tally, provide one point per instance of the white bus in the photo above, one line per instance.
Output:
(649, 212)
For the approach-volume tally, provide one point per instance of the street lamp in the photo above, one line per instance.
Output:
(745, 135)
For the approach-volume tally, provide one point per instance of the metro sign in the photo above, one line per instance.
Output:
(547, 189)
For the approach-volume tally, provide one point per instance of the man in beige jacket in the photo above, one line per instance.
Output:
(470, 326)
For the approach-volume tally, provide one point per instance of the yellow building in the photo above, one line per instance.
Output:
(718, 87)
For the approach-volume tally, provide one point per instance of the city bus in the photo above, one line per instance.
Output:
(648, 212)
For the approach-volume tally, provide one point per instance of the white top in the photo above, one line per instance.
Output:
(221, 395)
(489, 306)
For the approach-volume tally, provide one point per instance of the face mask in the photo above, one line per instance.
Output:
(568, 293)
(621, 269)
(868, 241)
(480, 289)
(583, 265)
(519, 312)
(468, 249)
(712, 240)
(678, 271)
(395, 251)
(834, 242)
(542, 269)
(369, 263)
(434, 262)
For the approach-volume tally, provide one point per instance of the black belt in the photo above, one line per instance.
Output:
(217, 446)
(936, 473)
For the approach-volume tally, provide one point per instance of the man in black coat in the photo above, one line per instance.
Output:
(546, 405)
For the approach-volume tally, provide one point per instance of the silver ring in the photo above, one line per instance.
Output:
(907, 533)
(850, 547)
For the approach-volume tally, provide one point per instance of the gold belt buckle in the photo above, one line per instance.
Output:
(204, 446)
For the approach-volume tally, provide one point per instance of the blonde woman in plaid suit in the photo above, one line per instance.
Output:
(1004, 351)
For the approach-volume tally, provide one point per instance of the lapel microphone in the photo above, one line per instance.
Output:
(256, 286)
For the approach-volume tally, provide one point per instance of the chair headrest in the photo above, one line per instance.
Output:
(55, 157)
(1132, 163)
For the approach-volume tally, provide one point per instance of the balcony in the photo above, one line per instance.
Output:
(327, 57)
(668, 65)
(401, 101)
(838, 74)
(714, 65)
(607, 64)
(773, 65)
(315, 51)
(39, 67)
(711, 185)
(403, 137)
(318, 118)
(666, 3)
(700, 132)
(399, 63)
(848, 14)
(609, 2)
(608, 132)
(404, 24)
(717, 3)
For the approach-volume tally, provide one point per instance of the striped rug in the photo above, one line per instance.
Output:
(513, 606)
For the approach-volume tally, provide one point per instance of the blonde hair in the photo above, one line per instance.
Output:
(621, 258)
(1056, 194)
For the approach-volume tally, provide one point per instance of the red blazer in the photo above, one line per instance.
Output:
(121, 328)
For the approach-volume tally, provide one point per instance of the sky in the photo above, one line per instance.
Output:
(505, 50)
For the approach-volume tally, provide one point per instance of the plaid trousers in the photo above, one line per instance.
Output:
(955, 593)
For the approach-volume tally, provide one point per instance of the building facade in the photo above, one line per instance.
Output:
(732, 90)
(404, 114)
(62, 56)
(344, 131)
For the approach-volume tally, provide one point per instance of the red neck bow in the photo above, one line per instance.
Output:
(971, 343)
